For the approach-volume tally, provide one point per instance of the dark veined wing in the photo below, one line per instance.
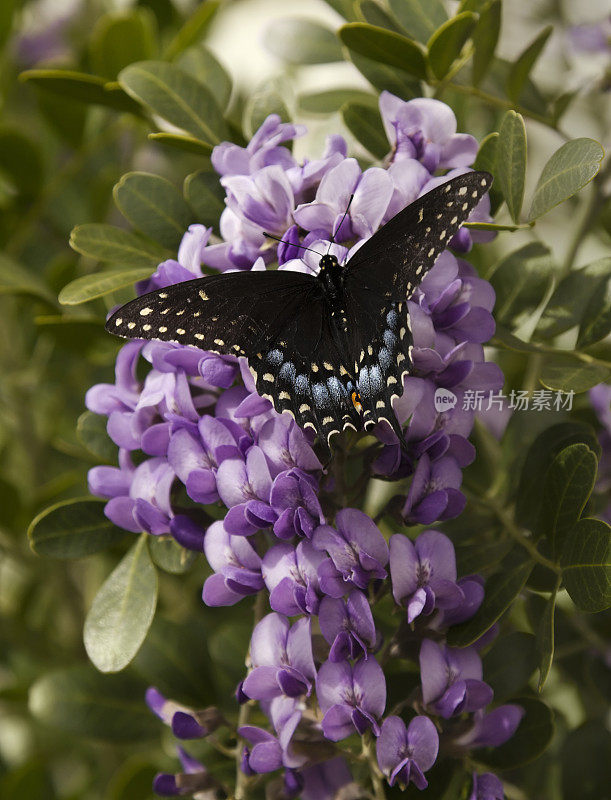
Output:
(383, 274)
(393, 262)
(234, 313)
(279, 320)
(303, 371)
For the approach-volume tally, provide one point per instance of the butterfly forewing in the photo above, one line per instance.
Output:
(233, 314)
(382, 276)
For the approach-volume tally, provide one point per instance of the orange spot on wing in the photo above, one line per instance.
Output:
(356, 401)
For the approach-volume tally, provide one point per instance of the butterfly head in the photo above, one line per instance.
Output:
(329, 263)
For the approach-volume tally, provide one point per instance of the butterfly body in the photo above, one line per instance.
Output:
(331, 349)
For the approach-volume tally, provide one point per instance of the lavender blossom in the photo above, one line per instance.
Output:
(351, 698)
(452, 679)
(486, 787)
(405, 754)
(357, 549)
(291, 577)
(282, 659)
(348, 626)
(423, 573)
(236, 564)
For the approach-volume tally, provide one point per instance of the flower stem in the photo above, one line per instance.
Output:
(375, 774)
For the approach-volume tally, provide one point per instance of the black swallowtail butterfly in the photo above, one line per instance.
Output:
(331, 349)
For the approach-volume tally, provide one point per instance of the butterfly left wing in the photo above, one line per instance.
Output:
(278, 319)
(231, 313)
(384, 273)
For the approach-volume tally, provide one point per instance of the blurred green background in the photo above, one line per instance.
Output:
(65, 730)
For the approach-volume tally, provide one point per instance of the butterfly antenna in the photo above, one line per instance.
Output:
(302, 246)
(341, 223)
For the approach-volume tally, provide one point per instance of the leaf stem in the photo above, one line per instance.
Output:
(498, 102)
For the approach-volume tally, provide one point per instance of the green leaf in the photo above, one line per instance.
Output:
(586, 563)
(154, 206)
(565, 373)
(81, 87)
(108, 243)
(532, 738)
(120, 38)
(540, 456)
(122, 610)
(385, 46)
(510, 663)
(385, 78)
(501, 590)
(177, 97)
(520, 281)
(521, 69)
(332, 100)
(7, 13)
(92, 433)
(170, 556)
(419, 18)
(584, 761)
(366, 126)
(21, 162)
(545, 639)
(486, 160)
(187, 144)
(90, 287)
(194, 28)
(446, 44)
(206, 196)
(375, 14)
(268, 98)
(162, 663)
(82, 702)
(596, 320)
(15, 279)
(297, 40)
(474, 558)
(205, 67)
(485, 39)
(73, 529)
(568, 484)
(511, 161)
(570, 168)
(571, 298)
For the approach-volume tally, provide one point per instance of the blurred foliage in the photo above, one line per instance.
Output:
(135, 100)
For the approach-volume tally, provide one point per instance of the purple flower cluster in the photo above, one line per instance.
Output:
(222, 441)
(195, 433)
(315, 692)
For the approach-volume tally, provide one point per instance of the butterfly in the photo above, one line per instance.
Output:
(330, 349)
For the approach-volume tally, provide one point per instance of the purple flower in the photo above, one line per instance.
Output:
(350, 697)
(423, 573)
(357, 549)
(433, 493)
(324, 780)
(282, 659)
(425, 129)
(269, 752)
(293, 499)
(472, 588)
(486, 787)
(347, 626)
(236, 565)
(194, 781)
(244, 485)
(452, 679)
(493, 729)
(600, 398)
(405, 754)
(291, 577)
(371, 192)
(263, 149)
